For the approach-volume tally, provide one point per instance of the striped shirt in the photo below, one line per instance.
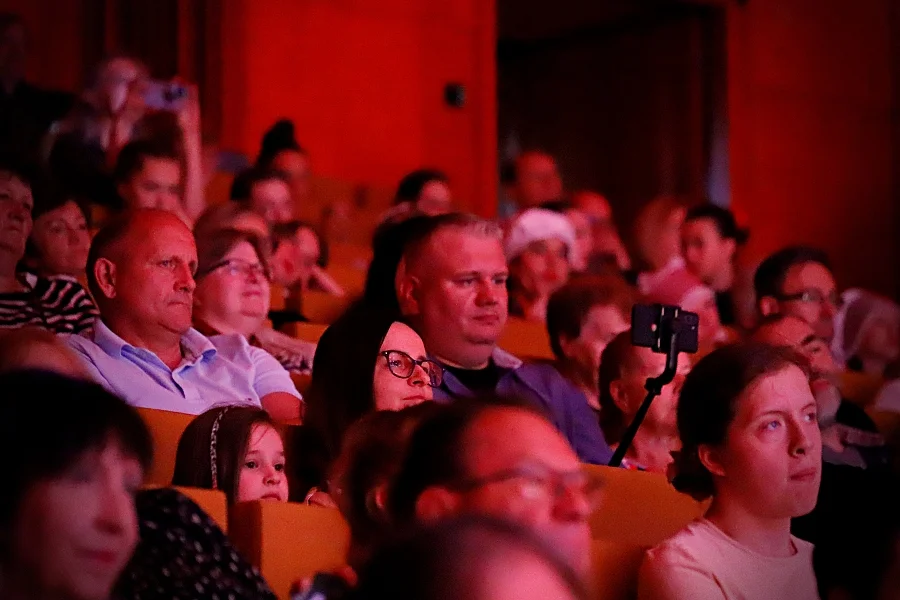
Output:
(58, 304)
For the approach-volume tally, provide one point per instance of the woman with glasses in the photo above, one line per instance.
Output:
(365, 361)
(232, 295)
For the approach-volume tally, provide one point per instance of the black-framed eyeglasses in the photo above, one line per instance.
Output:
(541, 484)
(813, 296)
(402, 365)
(235, 267)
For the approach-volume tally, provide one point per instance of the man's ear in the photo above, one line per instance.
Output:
(105, 274)
(406, 287)
(567, 345)
(768, 305)
(436, 503)
(709, 457)
(619, 396)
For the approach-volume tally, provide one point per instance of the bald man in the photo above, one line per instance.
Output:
(141, 273)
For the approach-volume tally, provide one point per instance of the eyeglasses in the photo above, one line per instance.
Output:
(403, 365)
(813, 296)
(236, 267)
(542, 484)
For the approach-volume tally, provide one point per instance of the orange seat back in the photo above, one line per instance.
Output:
(614, 569)
(288, 541)
(320, 307)
(356, 256)
(526, 339)
(349, 277)
(166, 428)
(213, 502)
(308, 332)
(860, 388)
(639, 508)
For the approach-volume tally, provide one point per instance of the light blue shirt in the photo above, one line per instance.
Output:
(222, 369)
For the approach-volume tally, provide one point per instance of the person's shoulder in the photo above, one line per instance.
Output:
(684, 547)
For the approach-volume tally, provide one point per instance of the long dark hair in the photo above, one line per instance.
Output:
(344, 366)
(709, 400)
(196, 448)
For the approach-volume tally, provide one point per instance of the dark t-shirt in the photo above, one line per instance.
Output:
(725, 306)
(480, 381)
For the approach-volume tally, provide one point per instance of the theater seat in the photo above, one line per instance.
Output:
(320, 307)
(308, 332)
(166, 428)
(526, 339)
(860, 388)
(614, 569)
(213, 502)
(289, 541)
(639, 508)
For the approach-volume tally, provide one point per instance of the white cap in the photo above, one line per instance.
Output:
(537, 224)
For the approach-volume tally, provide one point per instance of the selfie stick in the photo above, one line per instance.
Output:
(654, 388)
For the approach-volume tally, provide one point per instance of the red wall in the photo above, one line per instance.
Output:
(363, 81)
(811, 131)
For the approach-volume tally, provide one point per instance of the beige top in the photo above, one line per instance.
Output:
(701, 562)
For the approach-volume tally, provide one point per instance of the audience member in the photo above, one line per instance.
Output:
(798, 281)
(474, 558)
(608, 248)
(183, 554)
(372, 451)
(148, 175)
(849, 435)
(140, 270)
(58, 305)
(232, 296)
(59, 241)
(281, 152)
(867, 333)
(265, 191)
(507, 461)
(710, 240)
(388, 245)
(451, 285)
(658, 236)
(67, 510)
(624, 370)
(233, 215)
(583, 316)
(236, 449)
(747, 422)
(34, 348)
(583, 247)
(537, 248)
(26, 111)
(299, 259)
(533, 180)
(365, 361)
(426, 191)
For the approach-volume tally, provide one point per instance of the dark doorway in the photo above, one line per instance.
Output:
(627, 94)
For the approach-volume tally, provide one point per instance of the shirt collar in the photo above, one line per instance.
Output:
(194, 344)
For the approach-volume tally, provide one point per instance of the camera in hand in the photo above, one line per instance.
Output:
(652, 327)
(165, 95)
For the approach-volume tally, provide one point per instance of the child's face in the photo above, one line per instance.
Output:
(261, 476)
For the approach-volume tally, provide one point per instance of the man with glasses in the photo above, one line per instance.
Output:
(141, 270)
(451, 288)
(849, 436)
(502, 459)
(798, 281)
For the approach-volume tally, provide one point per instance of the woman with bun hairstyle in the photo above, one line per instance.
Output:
(710, 241)
(750, 440)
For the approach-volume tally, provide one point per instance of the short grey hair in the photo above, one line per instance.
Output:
(465, 222)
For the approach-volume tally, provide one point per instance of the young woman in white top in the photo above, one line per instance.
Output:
(750, 440)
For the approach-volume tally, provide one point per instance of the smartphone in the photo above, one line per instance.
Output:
(165, 95)
(652, 325)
